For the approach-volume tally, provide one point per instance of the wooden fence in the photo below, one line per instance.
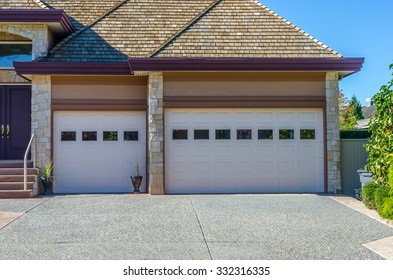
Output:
(353, 157)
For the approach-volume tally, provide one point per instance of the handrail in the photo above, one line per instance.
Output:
(25, 161)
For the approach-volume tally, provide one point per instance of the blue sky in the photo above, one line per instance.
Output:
(354, 28)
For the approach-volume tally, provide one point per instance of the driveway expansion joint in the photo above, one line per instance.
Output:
(200, 226)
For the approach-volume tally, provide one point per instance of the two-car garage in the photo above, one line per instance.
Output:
(244, 150)
(206, 151)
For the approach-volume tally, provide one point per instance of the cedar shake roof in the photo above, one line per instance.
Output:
(19, 4)
(113, 30)
(244, 28)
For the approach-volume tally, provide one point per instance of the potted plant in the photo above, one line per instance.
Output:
(47, 178)
(136, 180)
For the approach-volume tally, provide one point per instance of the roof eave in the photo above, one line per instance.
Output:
(72, 68)
(344, 65)
(51, 16)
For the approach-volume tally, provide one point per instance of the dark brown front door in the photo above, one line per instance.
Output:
(15, 121)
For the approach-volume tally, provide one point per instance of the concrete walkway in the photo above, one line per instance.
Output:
(187, 227)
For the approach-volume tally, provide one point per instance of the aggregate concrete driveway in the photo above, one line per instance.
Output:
(187, 227)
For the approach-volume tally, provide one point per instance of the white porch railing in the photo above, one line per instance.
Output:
(32, 140)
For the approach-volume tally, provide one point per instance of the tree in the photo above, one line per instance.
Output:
(380, 148)
(356, 108)
(350, 112)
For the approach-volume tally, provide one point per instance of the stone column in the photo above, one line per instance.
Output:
(41, 118)
(156, 133)
(333, 133)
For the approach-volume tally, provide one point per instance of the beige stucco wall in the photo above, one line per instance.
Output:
(68, 87)
(244, 84)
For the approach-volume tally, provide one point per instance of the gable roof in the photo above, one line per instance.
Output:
(114, 30)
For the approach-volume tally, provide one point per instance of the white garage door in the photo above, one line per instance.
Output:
(244, 151)
(93, 151)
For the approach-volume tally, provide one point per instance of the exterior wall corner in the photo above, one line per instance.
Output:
(41, 118)
(333, 133)
(156, 133)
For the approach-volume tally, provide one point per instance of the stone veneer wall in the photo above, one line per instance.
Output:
(41, 118)
(156, 133)
(38, 33)
(40, 85)
(10, 76)
(333, 132)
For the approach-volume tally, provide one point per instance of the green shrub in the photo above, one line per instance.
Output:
(387, 208)
(368, 194)
(381, 193)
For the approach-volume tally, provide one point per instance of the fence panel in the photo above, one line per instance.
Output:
(353, 157)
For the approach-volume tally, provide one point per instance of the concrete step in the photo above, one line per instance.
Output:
(18, 171)
(16, 194)
(14, 164)
(17, 178)
(15, 186)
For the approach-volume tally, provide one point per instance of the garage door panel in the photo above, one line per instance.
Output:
(222, 167)
(286, 150)
(246, 166)
(201, 151)
(266, 117)
(308, 117)
(222, 150)
(202, 167)
(307, 167)
(266, 149)
(286, 117)
(266, 167)
(98, 166)
(244, 151)
(223, 117)
(245, 118)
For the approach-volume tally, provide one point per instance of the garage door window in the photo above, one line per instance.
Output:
(89, 136)
(201, 134)
(307, 134)
(244, 134)
(287, 134)
(265, 134)
(131, 136)
(68, 136)
(223, 134)
(180, 134)
(110, 136)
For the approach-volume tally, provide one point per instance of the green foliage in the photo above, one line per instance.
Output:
(380, 148)
(136, 167)
(46, 173)
(355, 134)
(356, 108)
(381, 193)
(368, 194)
(387, 209)
(350, 112)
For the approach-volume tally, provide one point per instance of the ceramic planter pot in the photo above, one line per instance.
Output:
(46, 184)
(136, 182)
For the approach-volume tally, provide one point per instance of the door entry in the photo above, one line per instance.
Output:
(15, 121)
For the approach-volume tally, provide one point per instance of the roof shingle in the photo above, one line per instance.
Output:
(244, 28)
